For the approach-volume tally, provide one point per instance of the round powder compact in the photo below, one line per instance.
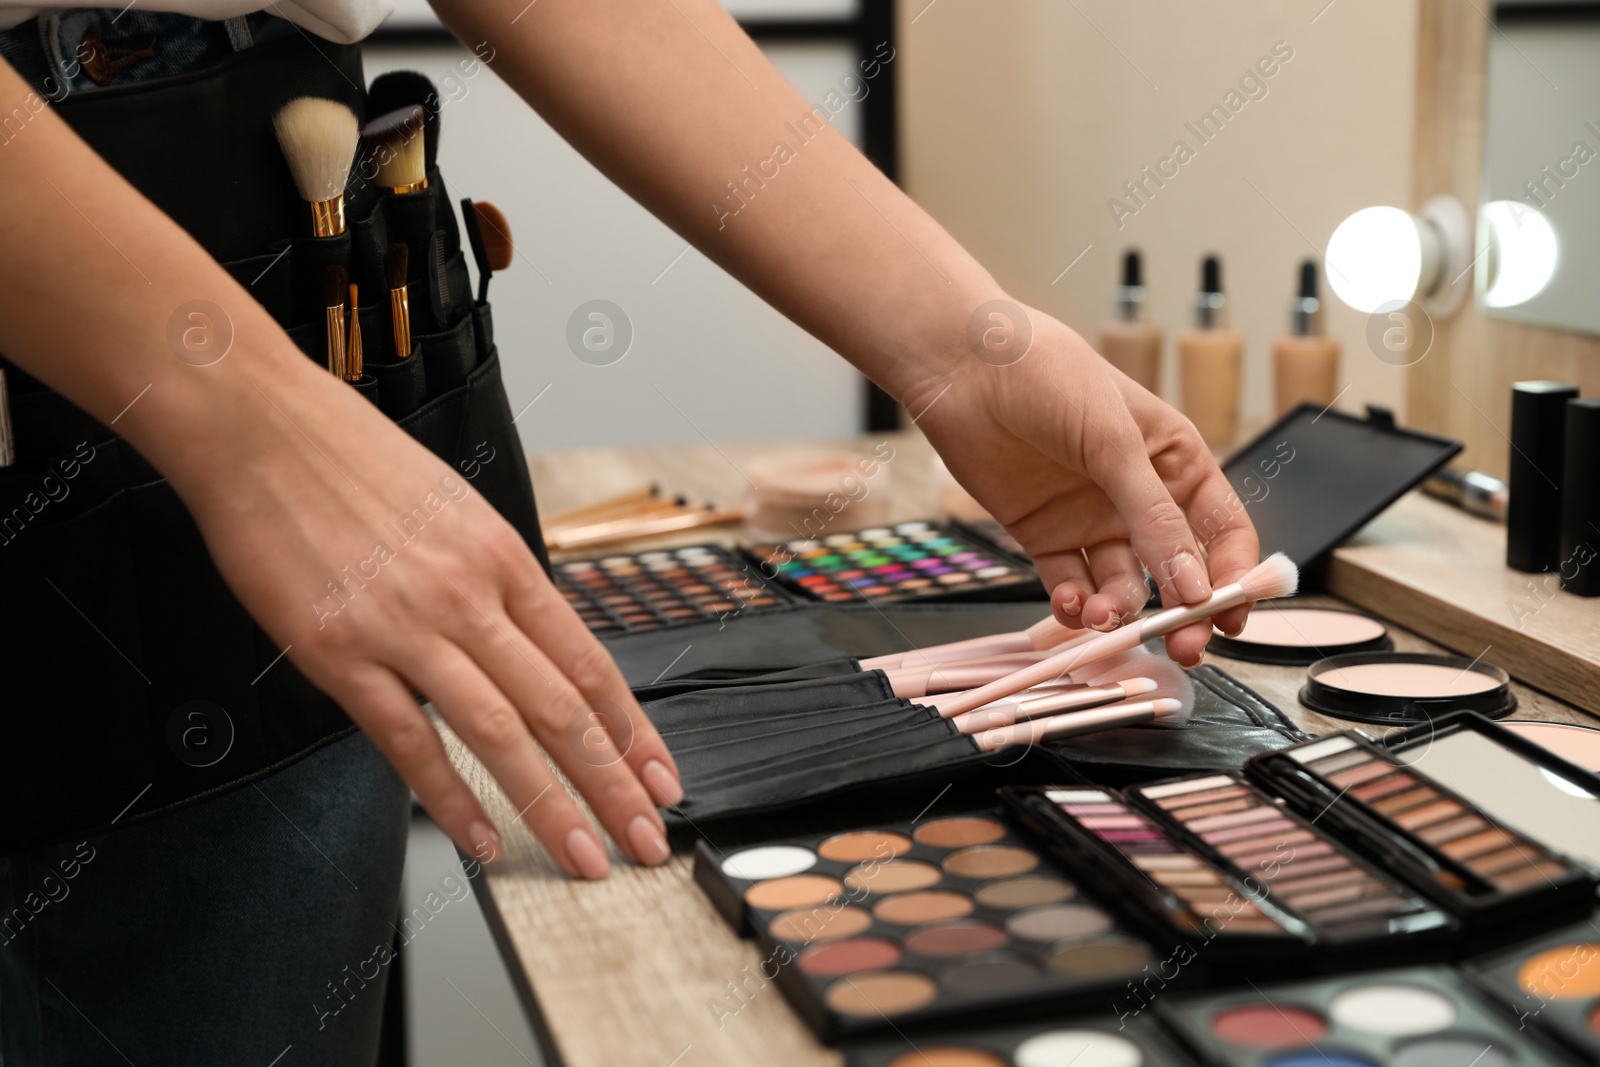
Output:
(1297, 637)
(1401, 687)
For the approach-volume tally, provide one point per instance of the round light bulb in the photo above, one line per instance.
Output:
(1375, 258)
(1525, 252)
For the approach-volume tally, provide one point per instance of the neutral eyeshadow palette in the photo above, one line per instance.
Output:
(1500, 882)
(903, 926)
(1223, 868)
(1412, 1017)
(912, 561)
(634, 592)
(1550, 984)
(1091, 1041)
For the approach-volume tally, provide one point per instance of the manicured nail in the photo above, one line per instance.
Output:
(1113, 621)
(649, 847)
(1072, 606)
(1189, 577)
(486, 844)
(586, 853)
(663, 785)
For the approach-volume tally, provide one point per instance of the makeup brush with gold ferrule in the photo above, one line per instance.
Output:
(399, 149)
(352, 350)
(318, 138)
(335, 286)
(396, 260)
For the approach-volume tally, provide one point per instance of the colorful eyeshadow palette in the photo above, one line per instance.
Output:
(993, 533)
(1214, 860)
(1414, 1017)
(1551, 984)
(911, 561)
(648, 590)
(904, 926)
(1498, 881)
(1103, 1041)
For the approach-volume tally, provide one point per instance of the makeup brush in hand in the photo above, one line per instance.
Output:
(335, 285)
(1135, 676)
(399, 149)
(1274, 577)
(396, 260)
(318, 138)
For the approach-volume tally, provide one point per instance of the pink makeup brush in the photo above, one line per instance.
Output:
(1042, 636)
(957, 674)
(1081, 722)
(1274, 577)
(1139, 675)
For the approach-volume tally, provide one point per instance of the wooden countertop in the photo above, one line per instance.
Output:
(631, 970)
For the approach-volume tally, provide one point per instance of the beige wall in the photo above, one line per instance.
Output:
(1023, 117)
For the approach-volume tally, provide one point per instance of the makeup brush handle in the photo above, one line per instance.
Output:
(1081, 722)
(1009, 712)
(933, 655)
(919, 681)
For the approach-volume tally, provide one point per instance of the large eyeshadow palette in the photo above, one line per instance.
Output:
(1499, 881)
(1550, 984)
(1220, 866)
(1411, 1017)
(630, 593)
(908, 562)
(900, 927)
(1090, 1041)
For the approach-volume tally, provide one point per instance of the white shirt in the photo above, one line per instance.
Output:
(344, 21)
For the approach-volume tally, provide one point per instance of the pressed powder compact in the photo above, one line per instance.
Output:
(1454, 808)
(1397, 688)
(1414, 1017)
(1300, 636)
(1550, 984)
(875, 929)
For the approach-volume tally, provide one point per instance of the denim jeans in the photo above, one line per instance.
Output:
(222, 933)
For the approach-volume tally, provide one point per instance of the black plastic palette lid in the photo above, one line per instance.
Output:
(1316, 476)
(1298, 637)
(1394, 688)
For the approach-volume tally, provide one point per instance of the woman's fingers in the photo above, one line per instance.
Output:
(1066, 575)
(390, 716)
(1230, 541)
(1119, 578)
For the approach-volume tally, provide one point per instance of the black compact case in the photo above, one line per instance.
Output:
(1420, 806)
(1212, 865)
(1416, 1015)
(1127, 1039)
(905, 926)
(1550, 984)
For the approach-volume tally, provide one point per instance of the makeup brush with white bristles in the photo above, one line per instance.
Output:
(1138, 676)
(1108, 717)
(1274, 577)
(399, 148)
(318, 138)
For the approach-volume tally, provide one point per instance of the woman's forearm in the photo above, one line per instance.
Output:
(675, 104)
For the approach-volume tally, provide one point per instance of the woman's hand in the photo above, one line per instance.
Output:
(384, 573)
(1090, 471)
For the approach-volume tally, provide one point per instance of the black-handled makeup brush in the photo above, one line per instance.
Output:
(495, 233)
(318, 138)
(480, 255)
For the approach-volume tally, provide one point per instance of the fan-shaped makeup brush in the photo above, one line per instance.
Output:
(1042, 636)
(318, 138)
(1274, 577)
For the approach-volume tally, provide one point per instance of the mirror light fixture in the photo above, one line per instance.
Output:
(1387, 257)
(1519, 252)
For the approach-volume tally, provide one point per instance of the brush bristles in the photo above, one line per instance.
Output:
(496, 234)
(1171, 681)
(399, 148)
(318, 138)
(396, 262)
(1273, 578)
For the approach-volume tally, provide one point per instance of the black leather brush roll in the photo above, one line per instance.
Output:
(816, 748)
(802, 637)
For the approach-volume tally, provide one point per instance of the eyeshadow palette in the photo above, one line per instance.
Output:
(1413, 1017)
(897, 927)
(992, 532)
(1550, 984)
(630, 593)
(1499, 881)
(1091, 1041)
(1214, 862)
(910, 561)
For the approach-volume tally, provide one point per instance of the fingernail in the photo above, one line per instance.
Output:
(649, 847)
(1073, 606)
(1189, 578)
(586, 853)
(1113, 621)
(662, 783)
(486, 844)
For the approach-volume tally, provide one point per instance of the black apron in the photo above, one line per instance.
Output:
(134, 681)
